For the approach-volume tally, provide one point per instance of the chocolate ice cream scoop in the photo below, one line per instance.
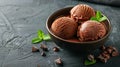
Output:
(91, 30)
(82, 12)
(64, 27)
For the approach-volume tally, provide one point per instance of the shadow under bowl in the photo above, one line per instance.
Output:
(72, 45)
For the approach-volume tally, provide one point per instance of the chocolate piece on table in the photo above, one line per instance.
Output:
(109, 50)
(102, 47)
(90, 57)
(44, 47)
(107, 56)
(43, 54)
(102, 59)
(35, 49)
(114, 49)
(111, 47)
(115, 53)
(105, 52)
(59, 61)
(56, 49)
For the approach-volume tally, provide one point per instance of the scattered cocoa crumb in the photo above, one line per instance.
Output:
(43, 54)
(44, 47)
(35, 49)
(56, 49)
(59, 61)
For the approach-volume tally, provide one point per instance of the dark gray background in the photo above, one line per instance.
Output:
(107, 2)
(19, 22)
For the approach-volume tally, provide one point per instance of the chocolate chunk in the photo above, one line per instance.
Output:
(102, 59)
(44, 47)
(107, 56)
(35, 49)
(115, 53)
(90, 57)
(111, 47)
(114, 49)
(43, 54)
(105, 52)
(109, 50)
(56, 49)
(59, 61)
(102, 47)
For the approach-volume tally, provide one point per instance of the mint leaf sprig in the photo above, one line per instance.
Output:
(41, 36)
(87, 62)
(99, 17)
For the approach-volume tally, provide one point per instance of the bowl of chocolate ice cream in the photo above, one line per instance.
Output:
(77, 29)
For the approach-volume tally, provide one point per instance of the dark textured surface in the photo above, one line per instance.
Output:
(107, 2)
(19, 22)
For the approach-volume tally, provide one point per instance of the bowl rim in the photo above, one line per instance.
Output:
(88, 42)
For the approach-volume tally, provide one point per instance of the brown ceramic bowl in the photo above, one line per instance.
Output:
(74, 45)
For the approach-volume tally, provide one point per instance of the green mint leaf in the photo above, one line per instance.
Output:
(40, 34)
(46, 37)
(87, 62)
(98, 15)
(36, 40)
(40, 37)
(103, 19)
(94, 18)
